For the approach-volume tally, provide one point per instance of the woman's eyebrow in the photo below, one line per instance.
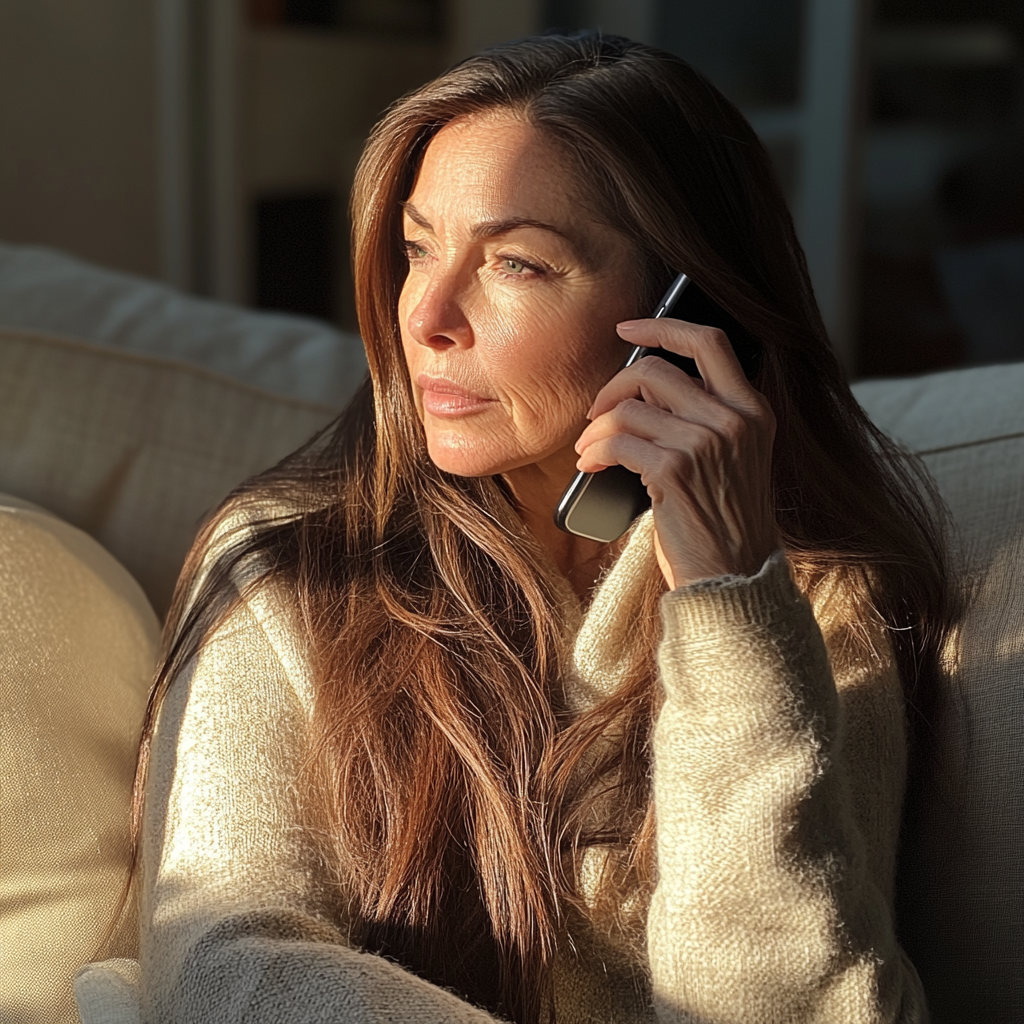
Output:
(414, 215)
(493, 228)
(577, 243)
(490, 228)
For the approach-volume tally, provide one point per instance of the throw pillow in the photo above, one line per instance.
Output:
(78, 643)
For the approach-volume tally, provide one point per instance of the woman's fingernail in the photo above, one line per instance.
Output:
(628, 325)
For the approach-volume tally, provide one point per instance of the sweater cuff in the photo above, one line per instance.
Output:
(727, 602)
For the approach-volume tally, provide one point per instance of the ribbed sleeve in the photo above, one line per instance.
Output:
(769, 907)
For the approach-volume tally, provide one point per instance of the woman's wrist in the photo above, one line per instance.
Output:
(730, 600)
(704, 556)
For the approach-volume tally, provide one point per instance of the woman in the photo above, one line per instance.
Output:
(421, 756)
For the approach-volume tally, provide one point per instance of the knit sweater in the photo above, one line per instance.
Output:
(778, 761)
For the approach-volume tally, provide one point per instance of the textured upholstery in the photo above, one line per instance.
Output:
(962, 877)
(76, 658)
(48, 291)
(132, 449)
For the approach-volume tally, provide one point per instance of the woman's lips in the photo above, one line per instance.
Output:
(446, 398)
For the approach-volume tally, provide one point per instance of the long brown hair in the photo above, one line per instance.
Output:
(444, 767)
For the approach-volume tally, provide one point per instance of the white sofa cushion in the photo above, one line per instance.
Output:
(132, 449)
(962, 863)
(52, 292)
(76, 660)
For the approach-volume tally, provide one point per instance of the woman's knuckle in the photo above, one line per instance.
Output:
(714, 337)
(674, 462)
(733, 425)
(763, 418)
(761, 409)
(623, 414)
(706, 440)
(652, 367)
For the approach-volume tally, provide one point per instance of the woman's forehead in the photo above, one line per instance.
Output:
(492, 167)
(488, 173)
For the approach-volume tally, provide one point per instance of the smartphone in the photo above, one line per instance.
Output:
(601, 506)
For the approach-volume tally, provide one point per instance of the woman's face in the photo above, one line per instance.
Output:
(508, 312)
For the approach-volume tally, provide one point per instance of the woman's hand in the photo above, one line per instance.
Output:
(703, 451)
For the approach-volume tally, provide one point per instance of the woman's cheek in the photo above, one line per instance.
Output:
(551, 400)
(538, 341)
(505, 330)
(543, 379)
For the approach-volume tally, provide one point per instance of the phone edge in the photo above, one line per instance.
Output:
(577, 488)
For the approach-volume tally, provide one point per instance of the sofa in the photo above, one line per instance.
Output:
(111, 453)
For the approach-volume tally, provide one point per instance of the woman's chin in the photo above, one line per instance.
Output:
(468, 467)
(463, 458)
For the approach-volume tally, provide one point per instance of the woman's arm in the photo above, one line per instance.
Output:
(778, 765)
(777, 784)
(240, 919)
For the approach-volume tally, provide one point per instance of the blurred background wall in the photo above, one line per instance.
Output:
(78, 129)
(211, 143)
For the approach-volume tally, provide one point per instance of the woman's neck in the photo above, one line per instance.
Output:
(537, 489)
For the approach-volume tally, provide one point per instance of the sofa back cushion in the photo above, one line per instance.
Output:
(962, 863)
(52, 292)
(133, 449)
(78, 650)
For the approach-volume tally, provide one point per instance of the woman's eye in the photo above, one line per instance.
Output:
(415, 251)
(513, 267)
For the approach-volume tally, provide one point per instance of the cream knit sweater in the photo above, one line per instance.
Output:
(779, 762)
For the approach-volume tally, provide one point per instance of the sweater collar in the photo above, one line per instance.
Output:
(603, 631)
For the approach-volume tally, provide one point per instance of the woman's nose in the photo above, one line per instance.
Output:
(439, 319)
